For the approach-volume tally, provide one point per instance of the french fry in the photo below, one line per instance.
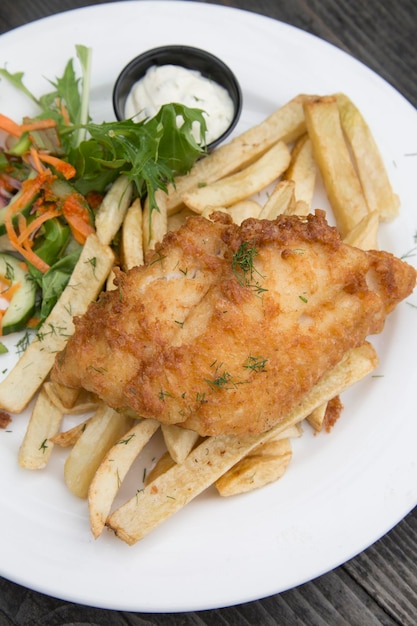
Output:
(365, 234)
(112, 210)
(332, 155)
(178, 219)
(64, 397)
(215, 455)
(293, 432)
(83, 402)
(285, 124)
(45, 420)
(68, 438)
(113, 469)
(316, 417)
(154, 225)
(266, 464)
(110, 281)
(86, 282)
(102, 431)
(242, 184)
(132, 236)
(368, 160)
(164, 463)
(179, 441)
(325, 416)
(302, 170)
(280, 200)
(244, 209)
(238, 212)
(298, 208)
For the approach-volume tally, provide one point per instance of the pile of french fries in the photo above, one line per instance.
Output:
(309, 139)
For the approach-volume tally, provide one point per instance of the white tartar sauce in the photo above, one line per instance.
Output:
(171, 83)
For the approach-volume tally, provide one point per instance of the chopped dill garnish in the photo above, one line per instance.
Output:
(255, 363)
(220, 382)
(243, 262)
(93, 263)
(224, 381)
(164, 394)
(23, 343)
(99, 370)
(410, 253)
(9, 272)
(160, 257)
(126, 440)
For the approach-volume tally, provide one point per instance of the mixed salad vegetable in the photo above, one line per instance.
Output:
(54, 171)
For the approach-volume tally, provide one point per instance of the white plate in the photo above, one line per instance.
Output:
(343, 491)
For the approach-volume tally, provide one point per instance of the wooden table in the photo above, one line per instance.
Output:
(380, 585)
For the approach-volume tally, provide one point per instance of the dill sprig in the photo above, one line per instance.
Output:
(243, 262)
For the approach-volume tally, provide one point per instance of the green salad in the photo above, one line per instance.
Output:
(55, 169)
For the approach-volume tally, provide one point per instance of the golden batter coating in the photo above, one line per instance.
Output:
(227, 327)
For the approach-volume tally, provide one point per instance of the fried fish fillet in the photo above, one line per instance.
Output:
(227, 327)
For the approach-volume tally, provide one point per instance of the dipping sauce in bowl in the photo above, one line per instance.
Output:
(173, 83)
(182, 74)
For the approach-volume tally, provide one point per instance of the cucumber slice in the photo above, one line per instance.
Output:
(22, 304)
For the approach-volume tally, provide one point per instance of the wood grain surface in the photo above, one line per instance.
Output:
(379, 586)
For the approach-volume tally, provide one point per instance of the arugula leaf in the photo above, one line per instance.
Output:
(51, 244)
(151, 153)
(69, 90)
(17, 81)
(54, 281)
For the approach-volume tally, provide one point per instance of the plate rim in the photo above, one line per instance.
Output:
(202, 8)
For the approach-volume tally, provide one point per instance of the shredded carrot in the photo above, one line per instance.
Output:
(28, 193)
(33, 322)
(31, 257)
(66, 169)
(4, 283)
(38, 125)
(21, 222)
(35, 224)
(27, 245)
(37, 163)
(9, 291)
(64, 112)
(23, 266)
(94, 199)
(10, 126)
(79, 228)
(30, 188)
(76, 213)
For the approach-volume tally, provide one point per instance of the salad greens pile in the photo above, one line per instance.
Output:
(55, 168)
